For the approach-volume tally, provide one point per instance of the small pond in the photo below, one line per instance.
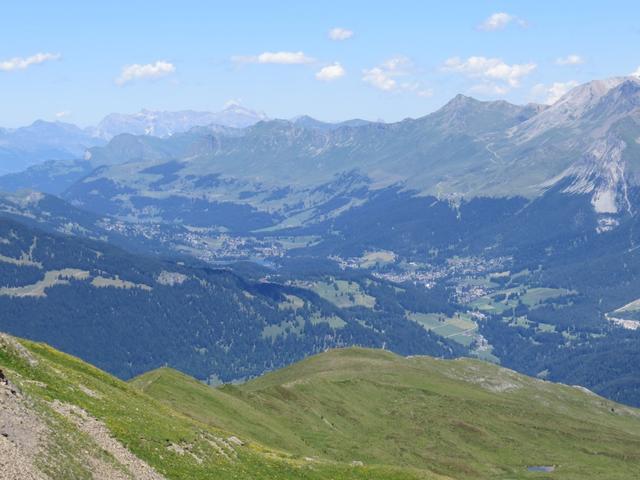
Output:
(541, 468)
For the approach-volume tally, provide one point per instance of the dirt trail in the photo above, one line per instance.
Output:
(99, 433)
(22, 432)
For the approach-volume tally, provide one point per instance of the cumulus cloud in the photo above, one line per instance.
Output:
(22, 63)
(330, 72)
(636, 73)
(417, 88)
(378, 78)
(572, 59)
(233, 102)
(499, 20)
(63, 114)
(395, 75)
(489, 89)
(490, 70)
(137, 71)
(339, 34)
(552, 93)
(281, 58)
(384, 76)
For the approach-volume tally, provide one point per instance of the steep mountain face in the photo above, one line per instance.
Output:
(41, 141)
(164, 124)
(589, 136)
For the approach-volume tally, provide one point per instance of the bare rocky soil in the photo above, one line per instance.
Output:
(22, 433)
(26, 435)
(128, 465)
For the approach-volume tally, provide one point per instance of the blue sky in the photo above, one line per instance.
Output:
(78, 61)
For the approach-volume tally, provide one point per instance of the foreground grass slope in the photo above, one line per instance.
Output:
(460, 418)
(61, 418)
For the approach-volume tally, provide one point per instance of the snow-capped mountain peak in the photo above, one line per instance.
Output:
(166, 123)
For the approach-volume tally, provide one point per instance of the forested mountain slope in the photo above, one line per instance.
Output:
(129, 313)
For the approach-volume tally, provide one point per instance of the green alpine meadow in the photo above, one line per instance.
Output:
(350, 413)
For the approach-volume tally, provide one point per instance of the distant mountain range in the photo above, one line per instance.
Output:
(164, 124)
(23, 147)
(588, 140)
(467, 148)
(43, 141)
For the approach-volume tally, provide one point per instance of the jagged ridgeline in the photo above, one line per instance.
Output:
(343, 414)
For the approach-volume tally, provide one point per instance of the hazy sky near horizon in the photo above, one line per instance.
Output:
(77, 61)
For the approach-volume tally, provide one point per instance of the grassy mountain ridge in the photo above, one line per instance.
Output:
(343, 414)
(462, 418)
(64, 419)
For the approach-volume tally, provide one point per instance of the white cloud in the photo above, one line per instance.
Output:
(417, 88)
(636, 73)
(380, 79)
(490, 69)
(500, 20)
(399, 65)
(339, 34)
(136, 71)
(572, 59)
(383, 77)
(552, 93)
(330, 72)
(489, 89)
(425, 92)
(388, 75)
(233, 102)
(281, 58)
(19, 63)
(63, 114)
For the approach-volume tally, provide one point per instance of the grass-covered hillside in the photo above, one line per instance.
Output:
(61, 419)
(465, 419)
(343, 414)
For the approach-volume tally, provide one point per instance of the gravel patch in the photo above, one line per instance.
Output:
(133, 466)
